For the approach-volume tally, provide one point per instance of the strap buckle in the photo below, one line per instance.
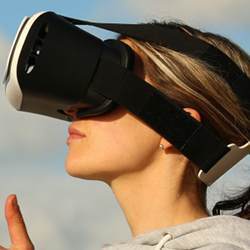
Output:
(225, 163)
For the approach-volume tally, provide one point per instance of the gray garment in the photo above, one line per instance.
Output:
(222, 232)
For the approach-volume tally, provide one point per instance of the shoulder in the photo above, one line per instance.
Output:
(230, 223)
(221, 246)
(227, 229)
(223, 232)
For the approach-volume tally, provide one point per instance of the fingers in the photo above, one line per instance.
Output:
(16, 226)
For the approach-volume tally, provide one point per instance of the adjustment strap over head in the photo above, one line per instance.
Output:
(189, 136)
(209, 152)
(178, 40)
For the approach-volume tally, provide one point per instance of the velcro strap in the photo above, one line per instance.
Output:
(189, 136)
(176, 39)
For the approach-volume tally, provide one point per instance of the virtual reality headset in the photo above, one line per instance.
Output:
(55, 66)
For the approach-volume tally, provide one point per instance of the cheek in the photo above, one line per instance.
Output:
(112, 149)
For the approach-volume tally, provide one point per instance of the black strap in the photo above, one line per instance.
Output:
(189, 136)
(192, 138)
(180, 41)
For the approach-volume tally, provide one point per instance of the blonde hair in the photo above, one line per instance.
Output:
(191, 82)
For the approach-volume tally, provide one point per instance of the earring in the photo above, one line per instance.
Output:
(162, 146)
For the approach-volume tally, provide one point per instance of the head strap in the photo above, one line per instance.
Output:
(178, 40)
(212, 154)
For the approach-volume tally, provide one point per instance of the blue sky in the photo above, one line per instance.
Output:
(33, 147)
(12, 12)
(227, 17)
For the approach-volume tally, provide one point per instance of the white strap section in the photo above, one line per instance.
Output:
(162, 242)
(235, 154)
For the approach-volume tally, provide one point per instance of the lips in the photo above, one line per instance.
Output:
(74, 134)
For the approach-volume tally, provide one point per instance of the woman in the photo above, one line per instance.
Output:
(157, 187)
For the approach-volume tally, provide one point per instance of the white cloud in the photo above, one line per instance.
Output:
(62, 212)
(4, 48)
(24, 132)
(229, 13)
(229, 18)
(66, 213)
(28, 133)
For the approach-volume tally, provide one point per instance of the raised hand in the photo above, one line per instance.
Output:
(17, 230)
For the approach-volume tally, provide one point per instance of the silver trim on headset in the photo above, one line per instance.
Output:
(12, 87)
(225, 163)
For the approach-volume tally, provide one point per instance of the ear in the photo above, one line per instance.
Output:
(194, 113)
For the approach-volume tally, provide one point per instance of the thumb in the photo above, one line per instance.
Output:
(16, 226)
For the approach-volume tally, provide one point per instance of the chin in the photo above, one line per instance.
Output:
(74, 169)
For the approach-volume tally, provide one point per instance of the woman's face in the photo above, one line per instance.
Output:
(114, 144)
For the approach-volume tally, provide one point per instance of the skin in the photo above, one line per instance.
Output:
(155, 188)
(19, 237)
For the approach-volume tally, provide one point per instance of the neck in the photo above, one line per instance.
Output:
(158, 196)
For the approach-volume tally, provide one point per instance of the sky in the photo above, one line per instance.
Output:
(62, 212)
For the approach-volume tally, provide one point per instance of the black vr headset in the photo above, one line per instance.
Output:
(55, 66)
